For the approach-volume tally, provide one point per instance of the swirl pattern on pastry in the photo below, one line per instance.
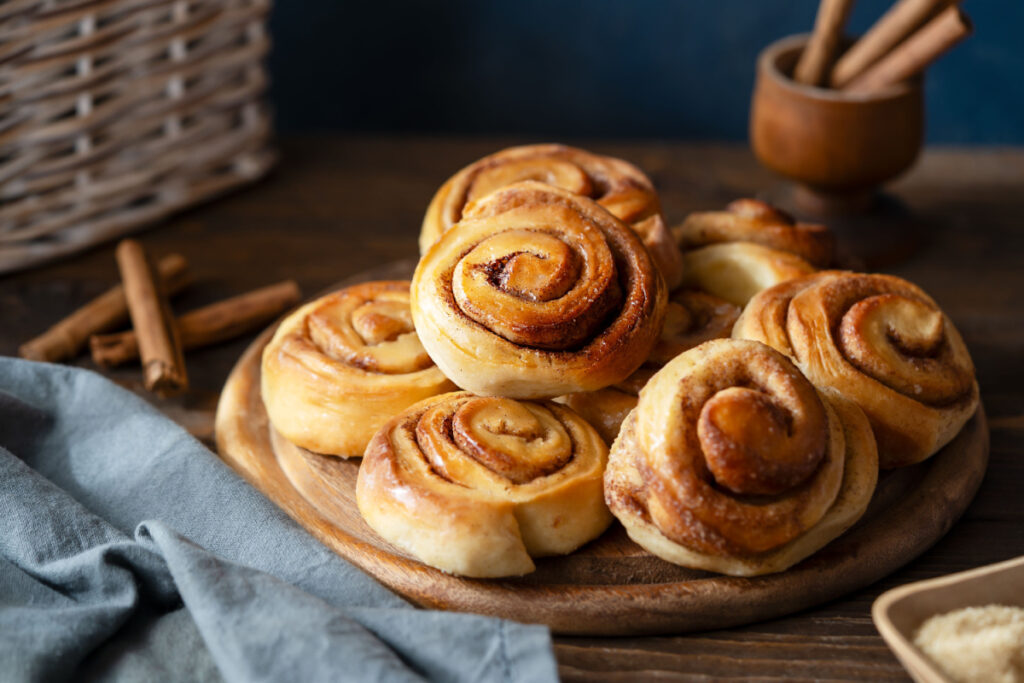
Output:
(733, 462)
(618, 186)
(752, 220)
(477, 486)
(340, 366)
(536, 293)
(883, 343)
(691, 318)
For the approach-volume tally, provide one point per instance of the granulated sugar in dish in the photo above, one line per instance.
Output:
(976, 644)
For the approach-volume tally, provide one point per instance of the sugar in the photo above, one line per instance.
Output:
(976, 644)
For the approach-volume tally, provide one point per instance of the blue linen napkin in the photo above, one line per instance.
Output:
(129, 552)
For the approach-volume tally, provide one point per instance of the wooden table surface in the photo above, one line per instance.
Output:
(336, 206)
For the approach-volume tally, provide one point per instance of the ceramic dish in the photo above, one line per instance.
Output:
(899, 612)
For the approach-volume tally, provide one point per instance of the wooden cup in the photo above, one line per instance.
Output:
(839, 147)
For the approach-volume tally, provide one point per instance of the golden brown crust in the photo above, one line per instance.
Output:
(605, 409)
(340, 366)
(733, 462)
(752, 220)
(881, 342)
(536, 293)
(477, 486)
(736, 271)
(691, 318)
(618, 186)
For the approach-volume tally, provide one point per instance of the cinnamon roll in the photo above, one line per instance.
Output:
(478, 486)
(752, 220)
(339, 367)
(607, 408)
(883, 343)
(691, 318)
(733, 462)
(537, 292)
(618, 186)
(736, 271)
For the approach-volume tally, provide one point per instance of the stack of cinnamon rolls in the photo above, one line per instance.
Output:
(561, 358)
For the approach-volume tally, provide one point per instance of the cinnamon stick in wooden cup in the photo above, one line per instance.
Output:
(902, 18)
(816, 59)
(911, 57)
(66, 338)
(204, 326)
(163, 364)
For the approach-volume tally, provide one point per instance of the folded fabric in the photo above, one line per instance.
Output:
(129, 552)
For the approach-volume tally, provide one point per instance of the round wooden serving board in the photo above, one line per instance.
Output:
(610, 586)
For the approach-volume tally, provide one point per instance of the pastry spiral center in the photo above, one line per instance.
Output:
(750, 444)
(517, 441)
(381, 321)
(537, 288)
(902, 343)
(546, 271)
(375, 335)
(741, 441)
(549, 171)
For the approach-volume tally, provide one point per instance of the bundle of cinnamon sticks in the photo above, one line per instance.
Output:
(901, 44)
(157, 338)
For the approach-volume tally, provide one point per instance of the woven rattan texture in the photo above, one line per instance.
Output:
(115, 113)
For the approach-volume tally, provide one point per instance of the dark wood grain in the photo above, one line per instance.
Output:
(337, 206)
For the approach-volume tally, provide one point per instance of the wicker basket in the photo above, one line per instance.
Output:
(115, 113)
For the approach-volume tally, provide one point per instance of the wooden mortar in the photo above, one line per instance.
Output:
(839, 147)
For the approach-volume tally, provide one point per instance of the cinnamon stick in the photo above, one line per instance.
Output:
(820, 51)
(204, 326)
(163, 364)
(105, 312)
(915, 53)
(902, 18)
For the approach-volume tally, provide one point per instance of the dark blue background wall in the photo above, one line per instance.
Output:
(614, 68)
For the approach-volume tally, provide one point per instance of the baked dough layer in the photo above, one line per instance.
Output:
(883, 343)
(736, 271)
(620, 187)
(691, 318)
(752, 220)
(538, 292)
(733, 462)
(477, 486)
(339, 367)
